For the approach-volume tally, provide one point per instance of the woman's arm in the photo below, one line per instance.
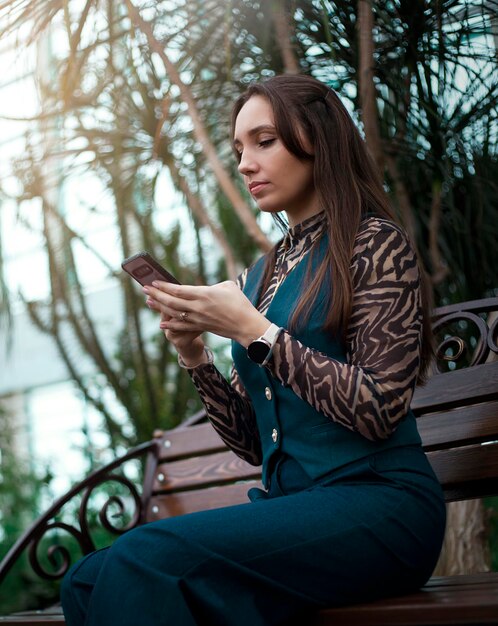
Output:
(221, 307)
(229, 410)
(372, 391)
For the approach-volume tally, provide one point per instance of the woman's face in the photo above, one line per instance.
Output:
(276, 179)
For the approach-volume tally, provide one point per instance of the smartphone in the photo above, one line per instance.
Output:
(144, 269)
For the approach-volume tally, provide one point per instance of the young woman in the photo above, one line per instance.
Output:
(329, 338)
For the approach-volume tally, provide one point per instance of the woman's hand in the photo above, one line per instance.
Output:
(221, 309)
(188, 344)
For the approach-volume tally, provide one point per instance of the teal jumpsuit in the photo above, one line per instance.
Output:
(351, 511)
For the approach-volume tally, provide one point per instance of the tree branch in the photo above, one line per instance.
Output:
(231, 191)
(366, 84)
(283, 34)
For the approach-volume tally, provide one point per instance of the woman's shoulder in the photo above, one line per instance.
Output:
(379, 232)
(372, 225)
(382, 247)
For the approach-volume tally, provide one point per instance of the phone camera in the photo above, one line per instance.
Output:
(142, 270)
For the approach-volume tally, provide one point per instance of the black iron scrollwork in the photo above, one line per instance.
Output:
(118, 501)
(465, 335)
(493, 336)
(58, 555)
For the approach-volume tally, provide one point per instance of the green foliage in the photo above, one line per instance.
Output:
(437, 98)
(23, 494)
(21, 489)
(491, 505)
(23, 589)
(5, 308)
(469, 230)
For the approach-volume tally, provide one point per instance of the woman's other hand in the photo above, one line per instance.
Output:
(222, 309)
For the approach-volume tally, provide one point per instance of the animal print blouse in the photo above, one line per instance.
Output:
(372, 391)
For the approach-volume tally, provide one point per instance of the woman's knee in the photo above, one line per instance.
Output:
(155, 546)
(79, 580)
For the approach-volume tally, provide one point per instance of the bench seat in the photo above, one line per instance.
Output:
(444, 600)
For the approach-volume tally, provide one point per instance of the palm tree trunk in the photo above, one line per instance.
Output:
(193, 200)
(226, 184)
(199, 210)
(283, 34)
(366, 86)
(402, 198)
(465, 549)
(439, 269)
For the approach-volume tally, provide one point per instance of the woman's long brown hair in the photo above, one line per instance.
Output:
(347, 183)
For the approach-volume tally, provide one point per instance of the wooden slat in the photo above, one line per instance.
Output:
(463, 580)
(459, 603)
(213, 469)
(459, 388)
(35, 618)
(465, 465)
(470, 491)
(464, 473)
(470, 424)
(449, 600)
(161, 506)
(181, 442)
(46, 617)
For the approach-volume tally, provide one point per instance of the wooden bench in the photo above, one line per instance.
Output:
(189, 469)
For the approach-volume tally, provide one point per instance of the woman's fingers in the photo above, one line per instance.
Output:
(175, 323)
(181, 292)
(166, 312)
(178, 325)
(220, 308)
(165, 309)
(167, 302)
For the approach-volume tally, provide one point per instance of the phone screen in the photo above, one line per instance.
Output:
(145, 269)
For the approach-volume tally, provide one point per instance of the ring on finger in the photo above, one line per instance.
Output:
(183, 316)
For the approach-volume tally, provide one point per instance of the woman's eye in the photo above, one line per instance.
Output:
(266, 142)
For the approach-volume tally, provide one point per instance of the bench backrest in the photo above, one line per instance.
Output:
(457, 415)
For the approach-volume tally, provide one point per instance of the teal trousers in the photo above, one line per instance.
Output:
(368, 530)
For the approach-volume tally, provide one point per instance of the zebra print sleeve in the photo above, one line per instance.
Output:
(230, 412)
(229, 409)
(371, 393)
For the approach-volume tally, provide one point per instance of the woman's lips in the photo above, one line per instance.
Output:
(256, 187)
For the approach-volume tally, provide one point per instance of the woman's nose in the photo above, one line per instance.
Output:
(247, 164)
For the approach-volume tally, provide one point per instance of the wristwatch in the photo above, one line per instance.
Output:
(260, 350)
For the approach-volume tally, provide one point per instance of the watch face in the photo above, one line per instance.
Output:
(257, 351)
